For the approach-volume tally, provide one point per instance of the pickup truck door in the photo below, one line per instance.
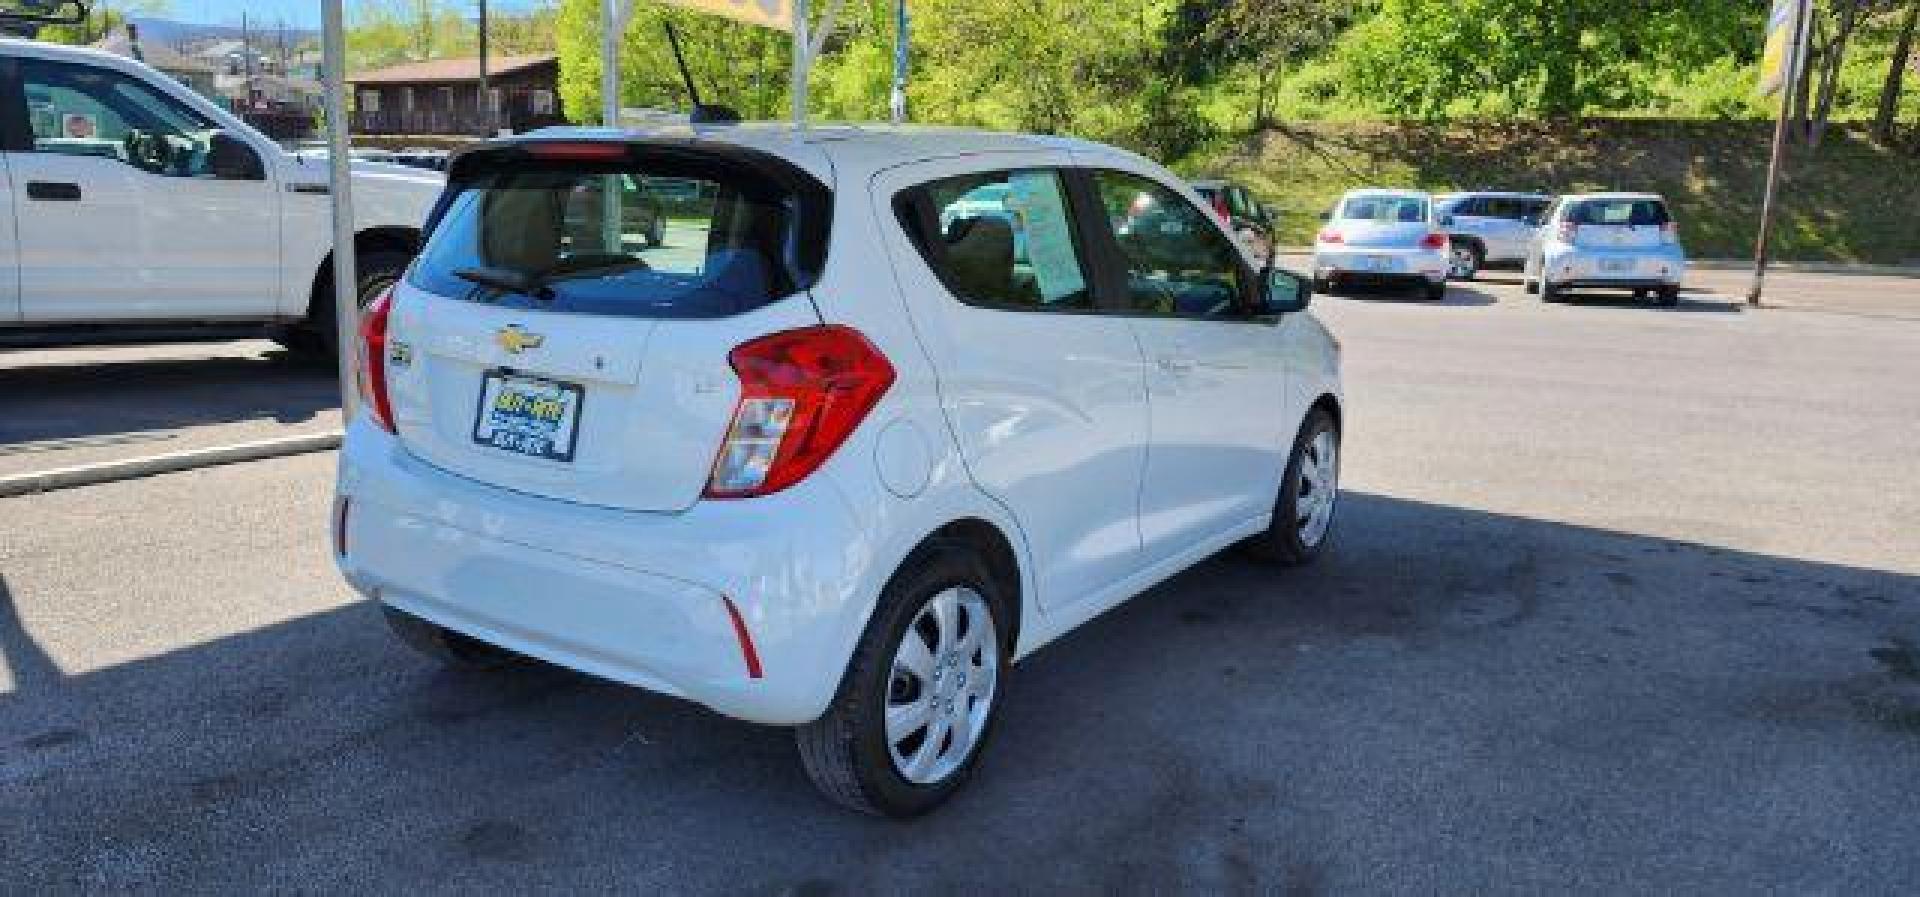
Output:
(9, 252)
(125, 211)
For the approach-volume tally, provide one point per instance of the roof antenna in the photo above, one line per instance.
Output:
(701, 114)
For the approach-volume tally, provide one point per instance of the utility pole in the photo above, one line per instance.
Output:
(898, 100)
(346, 305)
(1802, 12)
(487, 124)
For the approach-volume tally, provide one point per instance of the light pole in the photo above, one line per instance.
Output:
(346, 301)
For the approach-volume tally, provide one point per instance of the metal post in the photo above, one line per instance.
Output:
(486, 99)
(610, 27)
(346, 302)
(1761, 248)
(898, 101)
(802, 62)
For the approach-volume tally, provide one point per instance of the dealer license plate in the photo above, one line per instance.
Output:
(528, 415)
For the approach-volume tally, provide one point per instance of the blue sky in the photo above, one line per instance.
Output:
(296, 13)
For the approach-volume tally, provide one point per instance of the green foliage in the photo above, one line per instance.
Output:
(101, 20)
(732, 64)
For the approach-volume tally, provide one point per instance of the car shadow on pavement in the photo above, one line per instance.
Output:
(1689, 303)
(1451, 700)
(65, 402)
(1458, 295)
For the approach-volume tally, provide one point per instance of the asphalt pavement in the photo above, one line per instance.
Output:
(1622, 599)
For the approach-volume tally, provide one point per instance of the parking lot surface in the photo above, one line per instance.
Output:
(1620, 599)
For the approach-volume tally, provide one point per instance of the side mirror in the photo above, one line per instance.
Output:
(1287, 292)
(231, 159)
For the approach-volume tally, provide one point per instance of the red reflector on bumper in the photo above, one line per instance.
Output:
(747, 651)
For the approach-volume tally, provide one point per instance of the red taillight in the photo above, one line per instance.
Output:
(1434, 241)
(1568, 231)
(802, 393)
(1330, 235)
(373, 361)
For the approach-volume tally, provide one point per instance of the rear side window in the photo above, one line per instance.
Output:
(1000, 239)
(1385, 209)
(1635, 212)
(625, 239)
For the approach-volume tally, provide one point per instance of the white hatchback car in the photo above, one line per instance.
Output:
(828, 456)
(1382, 238)
(1618, 241)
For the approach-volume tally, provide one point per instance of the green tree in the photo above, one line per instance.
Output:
(101, 19)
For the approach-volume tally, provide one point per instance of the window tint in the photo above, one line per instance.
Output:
(1634, 212)
(85, 111)
(1242, 204)
(1505, 207)
(601, 242)
(1385, 209)
(1178, 262)
(1470, 206)
(1002, 239)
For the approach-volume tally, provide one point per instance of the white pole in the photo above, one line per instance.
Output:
(346, 301)
(897, 104)
(802, 62)
(611, 25)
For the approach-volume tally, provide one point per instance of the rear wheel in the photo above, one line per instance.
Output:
(319, 335)
(1436, 291)
(917, 704)
(1669, 296)
(1309, 492)
(1550, 293)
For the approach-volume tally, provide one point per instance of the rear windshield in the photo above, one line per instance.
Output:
(629, 239)
(1385, 209)
(1637, 212)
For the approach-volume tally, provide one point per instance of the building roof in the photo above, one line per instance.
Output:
(448, 70)
(155, 54)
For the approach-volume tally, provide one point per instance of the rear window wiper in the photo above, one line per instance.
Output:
(537, 284)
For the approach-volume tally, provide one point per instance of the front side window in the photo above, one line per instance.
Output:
(1002, 239)
(601, 241)
(1178, 262)
(85, 111)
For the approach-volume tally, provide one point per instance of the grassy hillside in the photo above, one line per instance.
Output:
(1853, 202)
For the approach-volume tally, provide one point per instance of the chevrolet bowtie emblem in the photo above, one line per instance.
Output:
(516, 339)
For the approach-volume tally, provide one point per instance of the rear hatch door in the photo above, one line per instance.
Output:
(541, 345)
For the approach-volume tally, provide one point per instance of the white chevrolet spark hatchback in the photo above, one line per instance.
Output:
(882, 412)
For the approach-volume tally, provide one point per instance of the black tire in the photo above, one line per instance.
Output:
(378, 269)
(1435, 292)
(1282, 542)
(1668, 296)
(845, 751)
(1551, 293)
(1530, 286)
(450, 648)
(1465, 265)
(1322, 286)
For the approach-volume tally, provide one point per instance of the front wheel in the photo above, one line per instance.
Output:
(917, 703)
(1309, 492)
(377, 271)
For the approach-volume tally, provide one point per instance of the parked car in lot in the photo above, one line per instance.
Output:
(1250, 220)
(134, 207)
(1488, 229)
(1616, 241)
(842, 467)
(1381, 238)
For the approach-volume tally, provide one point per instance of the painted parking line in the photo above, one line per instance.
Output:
(172, 462)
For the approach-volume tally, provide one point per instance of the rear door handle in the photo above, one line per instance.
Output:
(53, 191)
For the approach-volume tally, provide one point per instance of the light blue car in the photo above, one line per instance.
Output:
(1612, 241)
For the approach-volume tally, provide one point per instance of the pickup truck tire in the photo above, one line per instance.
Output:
(319, 336)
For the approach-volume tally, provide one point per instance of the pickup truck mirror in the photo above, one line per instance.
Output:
(1286, 292)
(230, 159)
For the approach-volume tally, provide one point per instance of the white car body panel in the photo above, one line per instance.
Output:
(9, 249)
(1605, 255)
(144, 247)
(1380, 249)
(1039, 426)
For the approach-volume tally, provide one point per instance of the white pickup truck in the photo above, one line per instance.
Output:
(133, 208)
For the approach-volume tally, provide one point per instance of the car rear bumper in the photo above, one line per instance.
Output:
(1385, 265)
(691, 604)
(1620, 268)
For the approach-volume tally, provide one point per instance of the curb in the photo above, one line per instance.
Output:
(1808, 267)
(172, 462)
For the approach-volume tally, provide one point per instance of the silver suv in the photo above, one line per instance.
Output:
(1486, 228)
